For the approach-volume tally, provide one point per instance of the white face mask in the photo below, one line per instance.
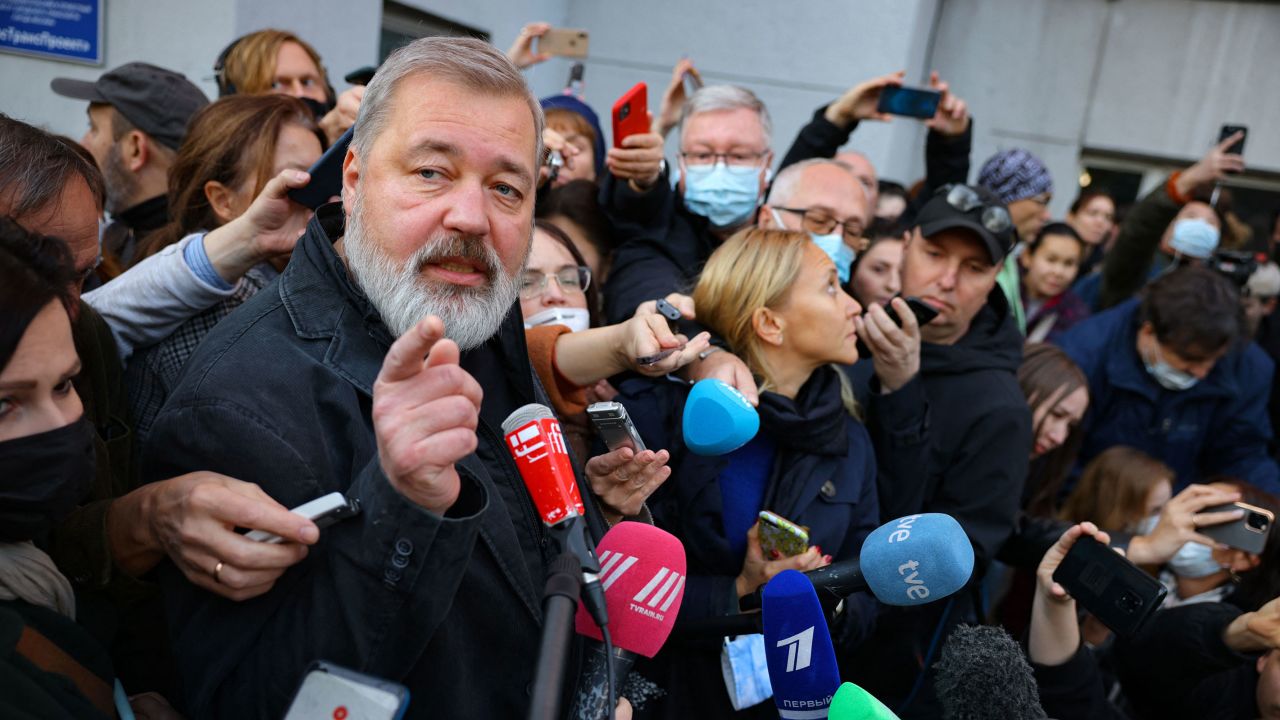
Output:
(576, 319)
(1194, 561)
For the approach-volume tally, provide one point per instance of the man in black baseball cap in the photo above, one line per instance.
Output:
(138, 116)
(956, 437)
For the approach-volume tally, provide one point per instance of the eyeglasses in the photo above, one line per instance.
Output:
(735, 159)
(966, 199)
(83, 276)
(572, 280)
(822, 222)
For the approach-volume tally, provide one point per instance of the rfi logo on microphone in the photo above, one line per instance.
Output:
(528, 440)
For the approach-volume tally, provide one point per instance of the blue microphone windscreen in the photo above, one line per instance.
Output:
(797, 645)
(717, 418)
(917, 559)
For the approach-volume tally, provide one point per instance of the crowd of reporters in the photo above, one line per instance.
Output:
(217, 353)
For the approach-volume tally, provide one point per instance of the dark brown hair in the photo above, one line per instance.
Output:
(1194, 310)
(593, 289)
(230, 141)
(577, 202)
(1047, 373)
(34, 270)
(1112, 492)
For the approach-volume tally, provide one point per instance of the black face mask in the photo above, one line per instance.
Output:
(43, 478)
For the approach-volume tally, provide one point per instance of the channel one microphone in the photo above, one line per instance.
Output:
(909, 561)
(643, 574)
(536, 443)
(797, 647)
(853, 703)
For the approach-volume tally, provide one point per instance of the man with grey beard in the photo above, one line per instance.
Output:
(361, 371)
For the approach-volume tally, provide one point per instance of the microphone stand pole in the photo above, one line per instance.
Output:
(559, 605)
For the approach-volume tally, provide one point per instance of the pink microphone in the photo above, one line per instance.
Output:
(642, 570)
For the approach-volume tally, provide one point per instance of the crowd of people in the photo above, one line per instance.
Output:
(186, 353)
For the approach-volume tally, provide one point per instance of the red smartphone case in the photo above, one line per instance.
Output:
(631, 113)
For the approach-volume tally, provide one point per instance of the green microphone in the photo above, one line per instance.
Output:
(853, 703)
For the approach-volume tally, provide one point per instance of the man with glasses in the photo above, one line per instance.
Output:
(825, 199)
(956, 439)
(666, 233)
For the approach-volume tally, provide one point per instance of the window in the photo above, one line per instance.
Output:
(402, 24)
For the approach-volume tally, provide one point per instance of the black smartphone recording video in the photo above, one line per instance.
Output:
(924, 312)
(1237, 147)
(908, 102)
(326, 175)
(1111, 588)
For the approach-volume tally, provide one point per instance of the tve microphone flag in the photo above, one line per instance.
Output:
(642, 570)
(797, 645)
(913, 560)
(853, 703)
(917, 559)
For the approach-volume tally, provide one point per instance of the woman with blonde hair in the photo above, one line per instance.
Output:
(775, 298)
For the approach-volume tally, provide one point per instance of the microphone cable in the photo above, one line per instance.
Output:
(608, 654)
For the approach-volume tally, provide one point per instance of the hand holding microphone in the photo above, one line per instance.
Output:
(425, 412)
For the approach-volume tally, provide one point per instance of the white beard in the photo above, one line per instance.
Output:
(402, 297)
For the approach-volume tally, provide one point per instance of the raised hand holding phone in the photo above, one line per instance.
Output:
(425, 412)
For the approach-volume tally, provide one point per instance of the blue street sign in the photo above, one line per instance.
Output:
(58, 29)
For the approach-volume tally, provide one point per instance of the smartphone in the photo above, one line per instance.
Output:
(924, 312)
(323, 511)
(329, 691)
(1249, 533)
(631, 113)
(613, 424)
(908, 102)
(779, 533)
(326, 175)
(1237, 147)
(1111, 588)
(568, 42)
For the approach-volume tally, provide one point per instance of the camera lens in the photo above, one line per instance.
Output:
(1129, 602)
(1257, 521)
(625, 112)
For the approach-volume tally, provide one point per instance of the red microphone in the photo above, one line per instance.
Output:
(537, 445)
(643, 574)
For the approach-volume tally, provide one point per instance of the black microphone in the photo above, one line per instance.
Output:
(982, 673)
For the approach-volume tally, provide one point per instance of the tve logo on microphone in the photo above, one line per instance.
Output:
(800, 650)
(917, 559)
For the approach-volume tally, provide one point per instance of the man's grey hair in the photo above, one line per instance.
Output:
(784, 186)
(726, 97)
(36, 165)
(469, 62)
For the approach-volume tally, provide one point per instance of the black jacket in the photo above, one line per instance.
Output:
(822, 477)
(279, 394)
(970, 463)
(1178, 667)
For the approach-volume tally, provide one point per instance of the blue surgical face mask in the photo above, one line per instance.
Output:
(1195, 238)
(1147, 525)
(1169, 377)
(833, 245)
(1194, 560)
(723, 194)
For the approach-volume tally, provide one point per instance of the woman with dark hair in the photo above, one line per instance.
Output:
(1058, 394)
(46, 470)
(574, 209)
(1093, 216)
(1049, 266)
(232, 149)
(876, 274)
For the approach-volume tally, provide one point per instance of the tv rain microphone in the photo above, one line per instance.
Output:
(853, 703)
(798, 649)
(909, 561)
(983, 673)
(643, 574)
(536, 443)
